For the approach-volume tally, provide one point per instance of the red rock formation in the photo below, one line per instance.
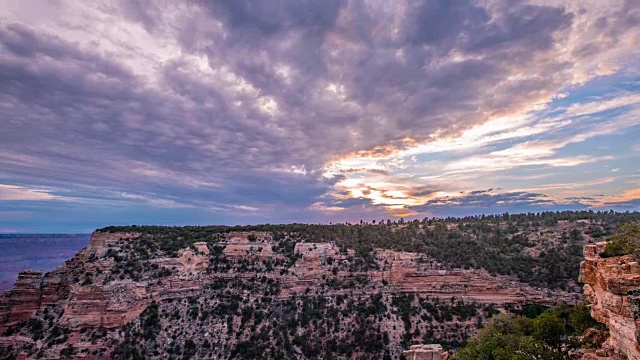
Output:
(187, 262)
(54, 287)
(612, 287)
(102, 239)
(21, 302)
(406, 272)
(314, 251)
(108, 306)
(426, 352)
(108, 302)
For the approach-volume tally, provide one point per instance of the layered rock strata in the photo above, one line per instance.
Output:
(612, 287)
(93, 290)
(426, 352)
(21, 302)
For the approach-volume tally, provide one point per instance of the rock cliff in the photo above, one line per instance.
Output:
(426, 352)
(119, 277)
(612, 287)
(21, 302)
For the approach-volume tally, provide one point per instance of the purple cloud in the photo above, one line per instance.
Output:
(225, 106)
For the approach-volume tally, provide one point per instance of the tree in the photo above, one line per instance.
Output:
(519, 337)
(581, 318)
(501, 339)
(550, 329)
(625, 241)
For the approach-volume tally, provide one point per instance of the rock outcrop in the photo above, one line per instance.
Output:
(407, 272)
(101, 240)
(84, 304)
(612, 287)
(115, 303)
(21, 302)
(115, 279)
(188, 260)
(248, 245)
(106, 306)
(426, 352)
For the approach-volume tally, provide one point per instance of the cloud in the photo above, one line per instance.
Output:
(629, 199)
(486, 199)
(12, 193)
(497, 147)
(322, 207)
(249, 107)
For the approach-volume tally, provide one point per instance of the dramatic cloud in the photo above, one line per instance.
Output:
(8, 192)
(315, 110)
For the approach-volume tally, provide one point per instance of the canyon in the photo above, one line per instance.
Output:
(116, 303)
(242, 294)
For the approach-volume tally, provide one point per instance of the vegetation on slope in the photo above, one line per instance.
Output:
(551, 335)
(337, 318)
(542, 249)
(625, 241)
(376, 326)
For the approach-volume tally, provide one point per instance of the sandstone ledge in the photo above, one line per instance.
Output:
(612, 287)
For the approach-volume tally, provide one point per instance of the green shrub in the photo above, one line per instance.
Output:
(548, 336)
(626, 241)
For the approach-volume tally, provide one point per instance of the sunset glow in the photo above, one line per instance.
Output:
(327, 111)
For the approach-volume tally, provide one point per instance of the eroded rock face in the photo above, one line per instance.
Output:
(242, 245)
(426, 352)
(312, 251)
(187, 262)
(408, 272)
(23, 300)
(106, 306)
(93, 290)
(102, 239)
(612, 287)
(85, 305)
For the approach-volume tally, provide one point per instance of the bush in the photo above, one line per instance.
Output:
(626, 241)
(548, 336)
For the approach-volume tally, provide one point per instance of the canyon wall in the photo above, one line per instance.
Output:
(113, 280)
(21, 302)
(612, 287)
(426, 352)
(114, 303)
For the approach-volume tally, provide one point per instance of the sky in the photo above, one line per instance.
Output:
(276, 111)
